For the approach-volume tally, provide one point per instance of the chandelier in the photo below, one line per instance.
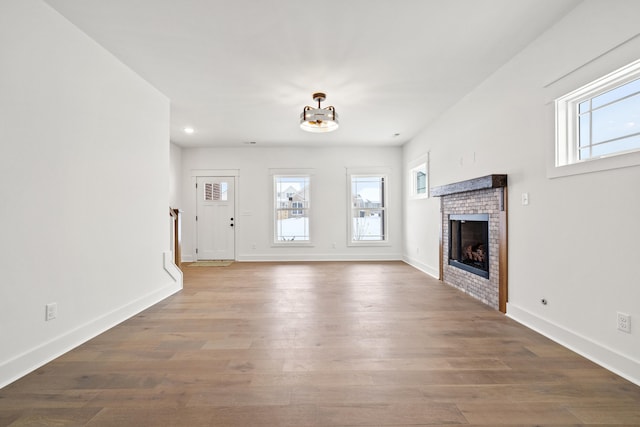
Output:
(319, 119)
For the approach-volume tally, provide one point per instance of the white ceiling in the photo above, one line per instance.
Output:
(242, 70)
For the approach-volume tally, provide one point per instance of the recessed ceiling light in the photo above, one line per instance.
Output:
(189, 130)
(396, 135)
(250, 142)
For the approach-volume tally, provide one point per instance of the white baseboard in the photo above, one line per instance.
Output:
(433, 272)
(615, 362)
(317, 257)
(31, 360)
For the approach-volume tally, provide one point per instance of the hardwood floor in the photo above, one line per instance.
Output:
(319, 344)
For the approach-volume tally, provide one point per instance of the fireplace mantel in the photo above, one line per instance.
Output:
(484, 182)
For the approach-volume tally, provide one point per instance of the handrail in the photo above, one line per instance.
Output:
(176, 214)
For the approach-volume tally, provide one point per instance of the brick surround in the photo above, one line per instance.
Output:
(474, 202)
(486, 195)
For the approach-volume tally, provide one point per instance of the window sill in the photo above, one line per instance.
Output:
(418, 197)
(292, 244)
(368, 243)
(605, 163)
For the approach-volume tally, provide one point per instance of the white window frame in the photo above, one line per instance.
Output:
(275, 206)
(566, 160)
(421, 163)
(358, 172)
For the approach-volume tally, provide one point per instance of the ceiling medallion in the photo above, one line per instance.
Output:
(319, 119)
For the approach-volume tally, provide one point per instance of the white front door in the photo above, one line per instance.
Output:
(215, 218)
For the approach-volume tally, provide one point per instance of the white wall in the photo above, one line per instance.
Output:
(328, 199)
(175, 176)
(575, 244)
(84, 184)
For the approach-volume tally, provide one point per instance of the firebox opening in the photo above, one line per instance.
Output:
(469, 243)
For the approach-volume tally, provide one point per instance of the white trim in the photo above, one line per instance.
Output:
(215, 172)
(319, 257)
(425, 268)
(171, 268)
(292, 171)
(597, 165)
(38, 356)
(293, 243)
(618, 363)
(373, 170)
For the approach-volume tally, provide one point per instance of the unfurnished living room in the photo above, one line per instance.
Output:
(345, 213)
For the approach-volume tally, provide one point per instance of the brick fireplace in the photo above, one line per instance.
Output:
(476, 263)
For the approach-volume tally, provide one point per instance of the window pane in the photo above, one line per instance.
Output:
(208, 191)
(368, 224)
(215, 192)
(367, 191)
(585, 130)
(584, 106)
(292, 228)
(618, 146)
(223, 191)
(585, 153)
(421, 182)
(616, 120)
(294, 188)
(620, 92)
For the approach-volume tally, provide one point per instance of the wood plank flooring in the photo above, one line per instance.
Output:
(319, 344)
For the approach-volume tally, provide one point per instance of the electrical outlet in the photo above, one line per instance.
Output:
(51, 311)
(624, 322)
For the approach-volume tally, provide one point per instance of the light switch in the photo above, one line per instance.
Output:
(525, 199)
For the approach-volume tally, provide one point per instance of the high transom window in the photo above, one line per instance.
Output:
(601, 119)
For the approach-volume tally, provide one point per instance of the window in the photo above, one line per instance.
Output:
(291, 216)
(418, 181)
(367, 216)
(418, 177)
(601, 119)
(215, 192)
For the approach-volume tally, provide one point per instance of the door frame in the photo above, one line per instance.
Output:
(218, 173)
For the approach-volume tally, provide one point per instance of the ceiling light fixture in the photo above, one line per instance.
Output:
(319, 119)
(189, 130)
